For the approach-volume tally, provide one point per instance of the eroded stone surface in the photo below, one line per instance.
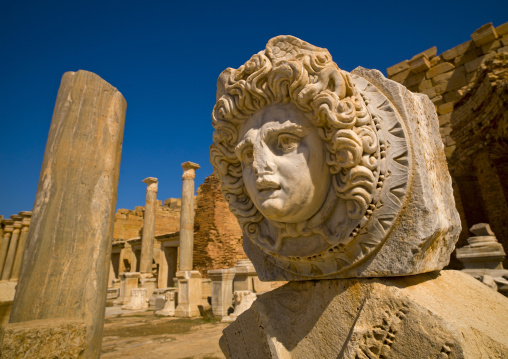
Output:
(45, 339)
(331, 174)
(444, 314)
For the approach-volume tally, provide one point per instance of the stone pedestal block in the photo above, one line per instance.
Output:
(149, 283)
(67, 253)
(222, 290)
(129, 281)
(445, 314)
(139, 300)
(244, 275)
(189, 293)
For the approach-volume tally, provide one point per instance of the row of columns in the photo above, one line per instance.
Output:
(189, 280)
(13, 234)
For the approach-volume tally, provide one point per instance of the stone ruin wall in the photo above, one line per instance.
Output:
(129, 223)
(217, 236)
(449, 79)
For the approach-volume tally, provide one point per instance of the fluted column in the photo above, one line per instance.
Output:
(13, 245)
(187, 216)
(8, 229)
(145, 265)
(18, 260)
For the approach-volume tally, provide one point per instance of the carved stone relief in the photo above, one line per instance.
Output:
(315, 163)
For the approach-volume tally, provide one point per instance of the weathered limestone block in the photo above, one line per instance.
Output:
(331, 174)
(69, 241)
(243, 301)
(45, 339)
(189, 294)
(222, 290)
(139, 299)
(129, 281)
(244, 275)
(168, 309)
(444, 314)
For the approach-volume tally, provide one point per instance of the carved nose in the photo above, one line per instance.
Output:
(263, 163)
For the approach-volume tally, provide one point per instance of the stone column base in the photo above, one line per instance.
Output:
(148, 282)
(46, 338)
(445, 314)
(169, 306)
(138, 301)
(129, 281)
(189, 294)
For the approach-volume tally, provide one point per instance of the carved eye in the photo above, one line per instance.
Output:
(248, 156)
(287, 142)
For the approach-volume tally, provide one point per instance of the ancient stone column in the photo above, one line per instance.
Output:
(8, 229)
(11, 253)
(148, 225)
(187, 216)
(61, 295)
(189, 281)
(18, 260)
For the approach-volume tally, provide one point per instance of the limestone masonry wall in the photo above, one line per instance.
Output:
(468, 84)
(129, 223)
(217, 237)
(445, 77)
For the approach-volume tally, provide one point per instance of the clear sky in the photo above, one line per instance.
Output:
(165, 57)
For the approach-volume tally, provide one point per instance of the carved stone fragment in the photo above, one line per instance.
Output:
(445, 314)
(331, 174)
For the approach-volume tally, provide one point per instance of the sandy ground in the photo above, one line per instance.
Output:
(144, 335)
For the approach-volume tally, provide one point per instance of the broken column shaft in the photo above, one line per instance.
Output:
(62, 286)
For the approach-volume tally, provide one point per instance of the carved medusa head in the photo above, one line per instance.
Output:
(296, 150)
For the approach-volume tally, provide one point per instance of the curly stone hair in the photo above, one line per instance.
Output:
(293, 71)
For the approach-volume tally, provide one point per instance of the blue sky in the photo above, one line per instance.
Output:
(165, 58)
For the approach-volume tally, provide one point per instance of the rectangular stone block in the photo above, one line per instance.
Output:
(456, 51)
(491, 46)
(445, 108)
(429, 53)
(475, 64)
(439, 69)
(419, 64)
(502, 29)
(485, 34)
(395, 69)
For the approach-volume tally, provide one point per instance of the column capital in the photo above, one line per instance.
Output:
(25, 214)
(189, 169)
(152, 184)
(7, 222)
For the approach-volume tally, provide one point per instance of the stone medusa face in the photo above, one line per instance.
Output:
(284, 163)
